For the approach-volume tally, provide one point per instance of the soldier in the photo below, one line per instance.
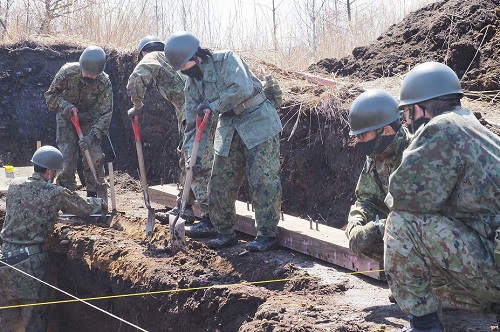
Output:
(374, 119)
(445, 206)
(246, 140)
(84, 87)
(32, 206)
(153, 67)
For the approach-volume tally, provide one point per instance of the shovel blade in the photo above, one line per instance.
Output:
(150, 223)
(177, 233)
(102, 192)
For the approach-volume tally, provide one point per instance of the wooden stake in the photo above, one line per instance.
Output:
(38, 144)
(112, 186)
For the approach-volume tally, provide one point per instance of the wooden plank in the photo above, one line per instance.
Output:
(6, 178)
(326, 243)
(315, 79)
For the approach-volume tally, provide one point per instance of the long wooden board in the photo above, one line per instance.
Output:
(323, 242)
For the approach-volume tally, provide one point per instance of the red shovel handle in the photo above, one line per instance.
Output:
(137, 129)
(76, 122)
(200, 125)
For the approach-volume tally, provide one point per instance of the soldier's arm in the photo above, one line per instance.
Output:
(140, 79)
(105, 107)
(54, 96)
(369, 203)
(72, 203)
(428, 172)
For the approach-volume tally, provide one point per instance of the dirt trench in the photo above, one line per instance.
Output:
(320, 165)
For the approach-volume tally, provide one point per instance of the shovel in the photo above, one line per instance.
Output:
(101, 187)
(142, 174)
(176, 229)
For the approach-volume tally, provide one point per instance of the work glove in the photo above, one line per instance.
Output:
(99, 206)
(133, 112)
(87, 140)
(362, 237)
(200, 109)
(68, 110)
(197, 165)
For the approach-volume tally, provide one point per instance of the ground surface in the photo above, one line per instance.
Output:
(206, 290)
(320, 166)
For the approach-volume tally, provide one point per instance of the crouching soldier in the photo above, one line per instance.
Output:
(33, 205)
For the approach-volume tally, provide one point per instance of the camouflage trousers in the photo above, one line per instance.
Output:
(261, 166)
(17, 288)
(67, 142)
(430, 256)
(201, 173)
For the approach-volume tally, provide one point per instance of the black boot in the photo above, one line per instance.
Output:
(91, 194)
(426, 323)
(204, 228)
(223, 240)
(262, 243)
(188, 215)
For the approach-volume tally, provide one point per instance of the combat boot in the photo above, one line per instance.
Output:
(204, 228)
(223, 240)
(262, 243)
(426, 323)
(188, 215)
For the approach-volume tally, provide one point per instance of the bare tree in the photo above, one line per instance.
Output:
(52, 9)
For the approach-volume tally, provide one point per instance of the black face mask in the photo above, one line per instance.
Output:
(370, 147)
(88, 80)
(418, 123)
(194, 72)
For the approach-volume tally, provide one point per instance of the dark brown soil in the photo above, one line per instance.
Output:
(462, 34)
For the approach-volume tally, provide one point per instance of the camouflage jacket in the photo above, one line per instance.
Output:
(154, 68)
(228, 82)
(452, 168)
(374, 181)
(93, 101)
(32, 207)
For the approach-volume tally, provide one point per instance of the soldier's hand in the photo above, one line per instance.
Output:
(363, 236)
(87, 140)
(99, 206)
(104, 206)
(133, 112)
(200, 110)
(197, 165)
(68, 111)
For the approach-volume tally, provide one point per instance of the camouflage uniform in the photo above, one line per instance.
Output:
(445, 208)
(245, 144)
(372, 189)
(95, 108)
(32, 206)
(154, 68)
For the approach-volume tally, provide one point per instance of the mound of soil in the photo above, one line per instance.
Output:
(462, 34)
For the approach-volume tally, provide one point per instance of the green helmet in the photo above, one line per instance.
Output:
(180, 47)
(427, 81)
(371, 110)
(147, 41)
(93, 60)
(48, 157)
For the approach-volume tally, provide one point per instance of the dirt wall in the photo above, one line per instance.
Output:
(319, 165)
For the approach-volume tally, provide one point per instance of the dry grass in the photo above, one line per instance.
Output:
(243, 25)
